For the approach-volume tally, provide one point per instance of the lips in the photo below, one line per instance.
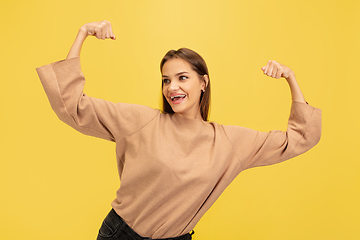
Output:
(176, 99)
(177, 96)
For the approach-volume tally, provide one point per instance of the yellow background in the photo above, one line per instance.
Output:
(58, 184)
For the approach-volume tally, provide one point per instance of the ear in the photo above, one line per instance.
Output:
(206, 81)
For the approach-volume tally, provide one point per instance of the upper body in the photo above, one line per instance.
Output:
(172, 167)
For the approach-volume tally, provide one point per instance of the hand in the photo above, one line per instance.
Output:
(277, 70)
(102, 29)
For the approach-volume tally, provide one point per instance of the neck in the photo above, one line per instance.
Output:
(191, 116)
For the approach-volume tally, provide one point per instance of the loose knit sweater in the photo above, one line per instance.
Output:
(171, 168)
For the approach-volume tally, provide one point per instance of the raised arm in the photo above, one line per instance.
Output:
(278, 70)
(254, 148)
(101, 29)
(63, 82)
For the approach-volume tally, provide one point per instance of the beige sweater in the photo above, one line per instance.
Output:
(172, 169)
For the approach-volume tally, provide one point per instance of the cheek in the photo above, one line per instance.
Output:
(164, 93)
(195, 90)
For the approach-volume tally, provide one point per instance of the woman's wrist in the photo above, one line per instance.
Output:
(81, 36)
(76, 47)
(296, 92)
(291, 78)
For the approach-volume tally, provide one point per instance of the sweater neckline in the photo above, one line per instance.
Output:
(185, 119)
(187, 123)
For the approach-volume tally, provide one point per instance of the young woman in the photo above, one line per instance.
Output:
(174, 164)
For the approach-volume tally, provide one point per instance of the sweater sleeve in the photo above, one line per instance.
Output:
(63, 82)
(254, 148)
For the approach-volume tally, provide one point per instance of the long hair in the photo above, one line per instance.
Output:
(198, 65)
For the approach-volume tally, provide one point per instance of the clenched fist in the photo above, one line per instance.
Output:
(277, 70)
(101, 29)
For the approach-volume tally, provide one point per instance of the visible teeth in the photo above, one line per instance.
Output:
(179, 96)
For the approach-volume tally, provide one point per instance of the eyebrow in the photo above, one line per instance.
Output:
(175, 74)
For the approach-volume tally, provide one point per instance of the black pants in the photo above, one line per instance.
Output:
(115, 228)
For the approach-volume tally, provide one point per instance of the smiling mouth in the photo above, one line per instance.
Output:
(178, 97)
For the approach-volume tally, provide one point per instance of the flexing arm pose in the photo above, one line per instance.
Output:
(278, 70)
(101, 30)
(63, 82)
(154, 150)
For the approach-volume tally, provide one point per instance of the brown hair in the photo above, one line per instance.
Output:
(198, 65)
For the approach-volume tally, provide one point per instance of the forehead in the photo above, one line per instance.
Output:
(175, 65)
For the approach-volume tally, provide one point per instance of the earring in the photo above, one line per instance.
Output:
(203, 90)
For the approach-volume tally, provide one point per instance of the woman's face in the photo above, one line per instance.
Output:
(182, 87)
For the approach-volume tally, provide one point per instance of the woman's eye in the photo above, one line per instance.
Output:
(183, 77)
(166, 80)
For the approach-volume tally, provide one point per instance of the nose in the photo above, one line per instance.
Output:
(173, 86)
